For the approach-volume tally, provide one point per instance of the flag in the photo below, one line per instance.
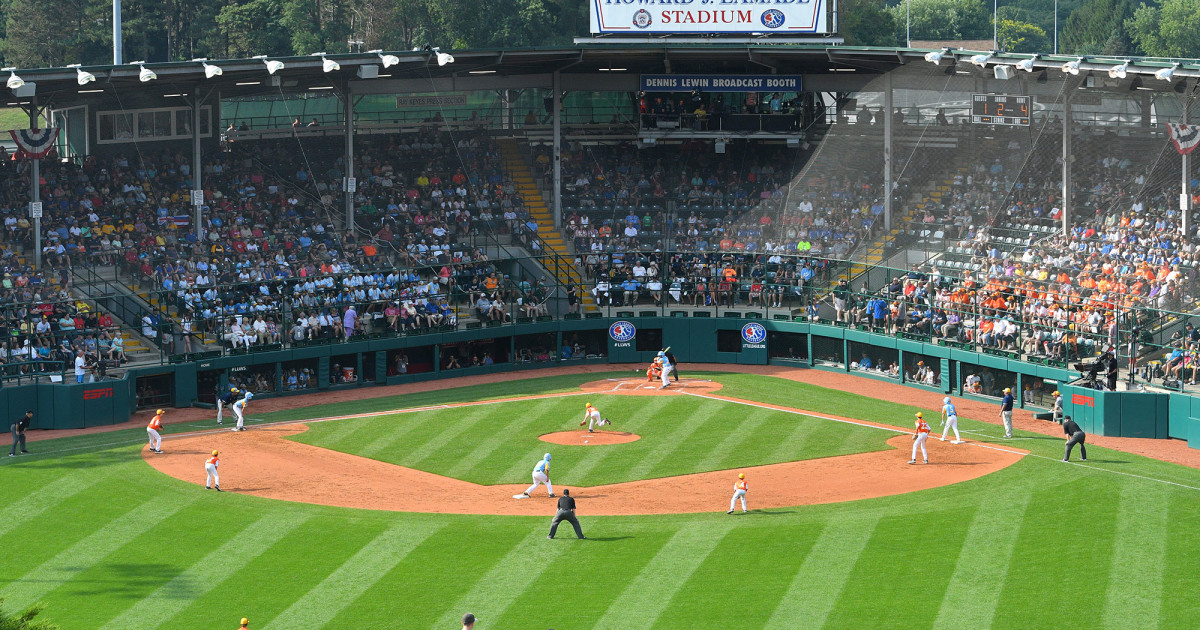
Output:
(34, 143)
(1184, 137)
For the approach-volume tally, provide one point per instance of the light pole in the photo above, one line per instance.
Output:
(995, 23)
(908, 23)
(1056, 27)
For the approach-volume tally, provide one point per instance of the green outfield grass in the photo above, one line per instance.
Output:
(107, 542)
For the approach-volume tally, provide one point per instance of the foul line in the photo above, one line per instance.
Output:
(980, 445)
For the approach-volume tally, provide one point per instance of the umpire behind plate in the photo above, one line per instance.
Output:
(566, 512)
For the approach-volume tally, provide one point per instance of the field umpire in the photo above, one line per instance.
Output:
(1075, 435)
(566, 512)
(18, 432)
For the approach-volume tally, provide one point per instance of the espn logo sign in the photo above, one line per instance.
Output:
(1079, 399)
(98, 393)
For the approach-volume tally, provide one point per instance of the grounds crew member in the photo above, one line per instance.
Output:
(18, 432)
(566, 512)
(1075, 435)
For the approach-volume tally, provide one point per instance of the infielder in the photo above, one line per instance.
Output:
(541, 474)
(229, 398)
(212, 480)
(919, 438)
(239, 411)
(739, 493)
(667, 367)
(949, 421)
(153, 430)
(591, 417)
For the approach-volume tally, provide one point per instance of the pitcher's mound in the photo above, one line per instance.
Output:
(583, 438)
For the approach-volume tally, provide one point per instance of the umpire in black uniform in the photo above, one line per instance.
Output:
(1075, 435)
(566, 512)
(18, 433)
(674, 364)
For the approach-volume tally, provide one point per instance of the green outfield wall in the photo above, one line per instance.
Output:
(631, 337)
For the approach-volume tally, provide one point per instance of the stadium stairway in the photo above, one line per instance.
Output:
(553, 242)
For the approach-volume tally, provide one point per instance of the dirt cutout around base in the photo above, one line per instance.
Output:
(261, 463)
(581, 437)
(641, 387)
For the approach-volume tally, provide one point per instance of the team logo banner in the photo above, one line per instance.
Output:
(754, 335)
(709, 16)
(1184, 137)
(34, 143)
(622, 332)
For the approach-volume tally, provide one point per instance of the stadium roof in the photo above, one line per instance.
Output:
(579, 65)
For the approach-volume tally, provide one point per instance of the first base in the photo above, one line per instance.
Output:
(520, 496)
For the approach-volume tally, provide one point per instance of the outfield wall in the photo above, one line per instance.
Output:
(693, 339)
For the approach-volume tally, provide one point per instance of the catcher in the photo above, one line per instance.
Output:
(654, 372)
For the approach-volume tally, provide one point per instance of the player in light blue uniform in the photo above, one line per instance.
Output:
(667, 367)
(541, 474)
(950, 420)
(239, 410)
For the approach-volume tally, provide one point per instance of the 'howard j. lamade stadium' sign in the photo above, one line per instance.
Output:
(794, 17)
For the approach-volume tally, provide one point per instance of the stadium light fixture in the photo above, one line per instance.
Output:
(935, 57)
(82, 77)
(981, 60)
(444, 58)
(1119, 72)
(1072, 67)
(1027, 64)
(1165, 74)
(210, 70)
(273, 65)
(14, 81)
(327, 64)
(145, 75)
(388, 60)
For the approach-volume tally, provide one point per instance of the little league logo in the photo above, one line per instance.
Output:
(622, 331)
(773, 18)
(754, 333)
(642, 19)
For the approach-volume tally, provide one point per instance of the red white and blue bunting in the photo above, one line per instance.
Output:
(34, 143)
(1185, 137)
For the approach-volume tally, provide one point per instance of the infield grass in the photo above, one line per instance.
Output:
(107, 542)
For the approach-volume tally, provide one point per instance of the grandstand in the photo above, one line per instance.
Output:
(343, 230)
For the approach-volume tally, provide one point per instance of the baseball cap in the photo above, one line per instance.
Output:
(468, 619)
(214, 452)
(245, 621)
(920, 415)
(159, 411)
(1007, 390)
(741, 475)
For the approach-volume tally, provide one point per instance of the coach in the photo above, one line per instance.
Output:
(1006, 411)
(566, 512)
(1075, 435)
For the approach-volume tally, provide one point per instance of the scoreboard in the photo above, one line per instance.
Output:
(1001, 109)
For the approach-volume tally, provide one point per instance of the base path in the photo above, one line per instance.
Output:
(260, 462)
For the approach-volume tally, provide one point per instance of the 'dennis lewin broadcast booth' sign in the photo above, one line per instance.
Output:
(793, 17)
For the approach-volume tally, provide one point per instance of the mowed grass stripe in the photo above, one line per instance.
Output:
(392, 430)
(468, 423)
(45, 498)
(515, 573)
(819, 581)
(644, 599)
(581, 469)
(497, 437)
(720, 455)
(973, 593)
(771, 551)
(898, 567)
(1180, 607)
(795, 441)
(674, 441)
(1135, 579)
(323, 603)
(137, 522)
(245, 545)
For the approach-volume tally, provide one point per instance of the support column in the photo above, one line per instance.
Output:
(557, 118)
(197, 174)
(1066, 168)
(351, 183)
(35, 190)
(1185, 197)
(887, 152)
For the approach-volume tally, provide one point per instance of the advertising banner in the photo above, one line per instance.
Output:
(721, 82)
(796, 17)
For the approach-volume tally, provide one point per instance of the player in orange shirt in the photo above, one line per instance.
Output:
(919, 438)
(245, 624)
(212, 479)
(654, 371)
(153, 429)
(739, 492)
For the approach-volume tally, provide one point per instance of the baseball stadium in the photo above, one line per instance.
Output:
(664, 327)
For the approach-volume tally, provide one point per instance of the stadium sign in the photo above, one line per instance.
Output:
(793, 17)
(753, 336)
(622, 332)
(721, 82)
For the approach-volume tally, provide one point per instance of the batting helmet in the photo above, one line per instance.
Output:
(588, 406)
(214, 452)
(249, 395)
(546, 457)
(741, 475)
(946, 400)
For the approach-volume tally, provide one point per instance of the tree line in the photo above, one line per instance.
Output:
(39, 33)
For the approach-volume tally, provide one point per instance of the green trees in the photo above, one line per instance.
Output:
(1022, 37)
(943, 19)
(1168, 30)
(1097, 27)
(866, 23)
(25, 621)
